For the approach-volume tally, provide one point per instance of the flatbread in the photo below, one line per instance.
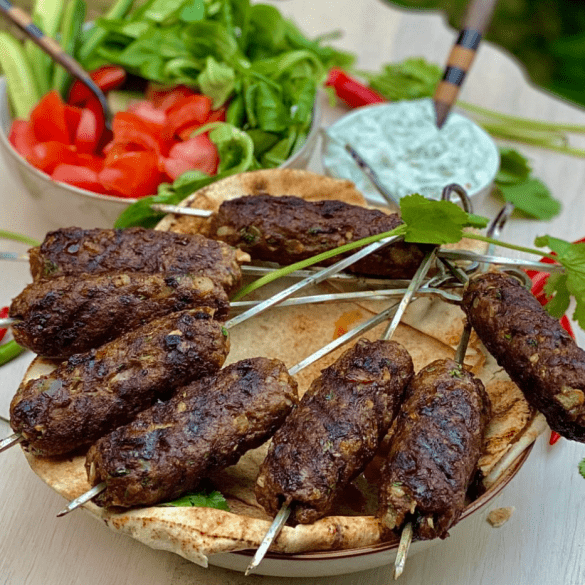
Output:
(430, 331)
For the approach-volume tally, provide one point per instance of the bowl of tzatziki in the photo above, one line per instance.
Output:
(401, 143)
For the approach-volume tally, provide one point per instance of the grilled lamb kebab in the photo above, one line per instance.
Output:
(73, 251)
(536, 352)
(288, 229)
(437, 439)
(337, 428)
(67, 315)
(206, 426)
(92, 393)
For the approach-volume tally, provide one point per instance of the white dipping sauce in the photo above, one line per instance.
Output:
(401, 142)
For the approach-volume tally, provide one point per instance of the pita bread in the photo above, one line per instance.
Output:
(430, 331)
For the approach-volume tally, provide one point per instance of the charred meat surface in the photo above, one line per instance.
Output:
(335, 431)
(436, 443)
(74, 251)
(536, 352)
(67, 314)
(95, 392)
(168, 449)
(288, 229)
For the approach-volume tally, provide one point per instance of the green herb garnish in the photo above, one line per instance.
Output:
(212, 499)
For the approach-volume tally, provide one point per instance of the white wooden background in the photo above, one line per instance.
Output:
(544, 540)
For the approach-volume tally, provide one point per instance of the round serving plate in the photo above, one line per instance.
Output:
(350, 539)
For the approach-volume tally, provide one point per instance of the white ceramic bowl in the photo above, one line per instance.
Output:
(402, 144)
(65, 205)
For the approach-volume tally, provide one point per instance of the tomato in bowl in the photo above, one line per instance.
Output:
(82, 174)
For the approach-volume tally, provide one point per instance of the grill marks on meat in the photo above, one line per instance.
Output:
(168, 449)
(74, 251)
(68, 314)
(536, 352)
(288, 229)
(335, 431)
(437, 441)
(95, 392)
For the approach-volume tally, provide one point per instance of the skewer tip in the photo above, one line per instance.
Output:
(405, 540)
(82, 499)
(269, 537)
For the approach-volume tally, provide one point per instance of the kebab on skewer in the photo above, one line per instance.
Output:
(74, 251)
(92, 393)
(66, 315)
(533, 348)
(43, 394)
(225, 426)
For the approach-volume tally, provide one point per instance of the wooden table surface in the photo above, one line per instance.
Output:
(543, 542)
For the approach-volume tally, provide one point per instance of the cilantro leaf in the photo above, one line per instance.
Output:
(514, 167)
(532, 197)
(572, 257)
(435, 222)
(582, 467)
(556, 288)
(212, 499)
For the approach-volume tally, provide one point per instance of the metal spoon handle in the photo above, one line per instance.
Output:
(50, 46)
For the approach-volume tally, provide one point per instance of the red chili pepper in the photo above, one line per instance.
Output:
(554, 437)
(3, 315)
(351, 91)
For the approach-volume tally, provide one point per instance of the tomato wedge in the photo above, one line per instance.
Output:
(22, 137)
(186, 112)
(132, 174)
(78, 176)
(107, 77)
(130, 129)
(45, 156)
(88, 133)
(48, 119)
(199, 152)
(164, 98)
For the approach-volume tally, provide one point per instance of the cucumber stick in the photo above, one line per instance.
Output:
(71, 28)
(97, 34)
(47, 16)
(22, 89)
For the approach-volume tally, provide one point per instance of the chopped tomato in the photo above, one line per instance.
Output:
(88, 133)
(187, 112)
(45, 156)
(22, 137)
(91, 161)
(199, 152)
(164, 98)
(48, 119)
(175, 167)
(128, 128)
(72, 117)
(147, 112)
(106, 78)
(133, 174)
(78, 176)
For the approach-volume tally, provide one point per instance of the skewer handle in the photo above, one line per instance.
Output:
(461, 57)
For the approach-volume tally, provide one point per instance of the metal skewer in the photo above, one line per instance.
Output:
(10, 441)
(284, 512)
